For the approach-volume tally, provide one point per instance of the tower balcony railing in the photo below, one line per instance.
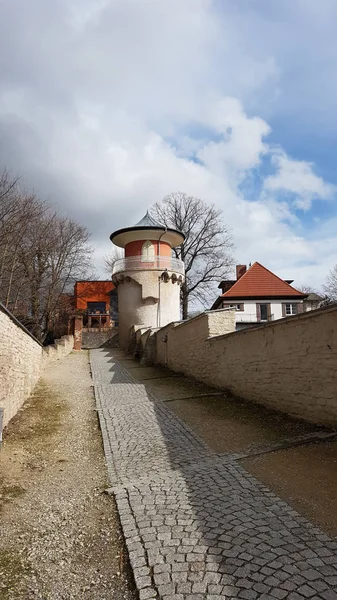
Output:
(139, 263)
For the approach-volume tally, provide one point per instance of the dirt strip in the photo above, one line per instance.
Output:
(60, 533)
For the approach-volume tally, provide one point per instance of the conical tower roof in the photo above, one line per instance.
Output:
(147, 229)
(148, 221)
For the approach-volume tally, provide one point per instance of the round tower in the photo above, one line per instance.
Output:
(148, 278)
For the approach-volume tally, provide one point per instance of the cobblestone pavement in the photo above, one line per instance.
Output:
(196, 524)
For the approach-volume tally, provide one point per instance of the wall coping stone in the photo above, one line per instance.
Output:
(187, 321)
(17, 322)
(210, 312)
(205, 313)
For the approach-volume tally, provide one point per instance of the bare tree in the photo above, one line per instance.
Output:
(109, 260)
(55, 253)
(41, 255)
(307, 289)
(207, 249)
(9, 214)
(27, 215)
(330, 286)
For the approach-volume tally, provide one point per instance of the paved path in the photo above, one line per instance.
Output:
(197, 525)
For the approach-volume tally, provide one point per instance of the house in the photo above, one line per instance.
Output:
(312, 301)
(259, 296)
(98, 302)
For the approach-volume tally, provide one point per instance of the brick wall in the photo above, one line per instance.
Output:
(289, 365)
(22, 360)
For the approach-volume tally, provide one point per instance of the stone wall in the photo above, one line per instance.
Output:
(149, 347)
(22, 359)
(99, 339)
(289, 365)
(59, 349)
(185, 346)
(20, 365)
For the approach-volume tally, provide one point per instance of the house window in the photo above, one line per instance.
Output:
(291, 309)
(236, 306)
(264, 312)
(95, 308)
(148, 251)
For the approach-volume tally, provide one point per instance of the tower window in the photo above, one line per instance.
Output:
(148, 251)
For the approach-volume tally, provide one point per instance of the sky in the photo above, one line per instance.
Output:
(106, 106)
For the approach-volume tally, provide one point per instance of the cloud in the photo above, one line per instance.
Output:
(298, 178)
(241, 145)
(107, 106)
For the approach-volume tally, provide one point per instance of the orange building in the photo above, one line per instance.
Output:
(97, 299)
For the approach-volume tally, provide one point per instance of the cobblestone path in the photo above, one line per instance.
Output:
(196, 524)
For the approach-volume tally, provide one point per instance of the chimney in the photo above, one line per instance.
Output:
(240, 270)
(226, 285)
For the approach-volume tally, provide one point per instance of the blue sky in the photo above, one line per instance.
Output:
(106, 106)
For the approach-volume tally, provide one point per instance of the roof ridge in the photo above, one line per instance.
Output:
(280, 279)
(252, 271)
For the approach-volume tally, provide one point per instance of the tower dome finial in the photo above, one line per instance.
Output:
(146, 227)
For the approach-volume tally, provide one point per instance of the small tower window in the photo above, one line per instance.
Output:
(148, 251)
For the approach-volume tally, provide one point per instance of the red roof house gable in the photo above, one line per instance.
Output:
(259, 282)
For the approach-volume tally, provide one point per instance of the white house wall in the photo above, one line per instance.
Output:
(248, 315)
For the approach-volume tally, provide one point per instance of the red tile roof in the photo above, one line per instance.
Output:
(259, 282)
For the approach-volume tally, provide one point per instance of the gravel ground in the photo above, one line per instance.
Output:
(60, 533)
(287, 473)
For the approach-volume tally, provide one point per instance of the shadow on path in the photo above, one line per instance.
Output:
(197, 525)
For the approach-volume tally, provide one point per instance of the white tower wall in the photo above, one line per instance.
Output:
(148, 278)
(146, 298)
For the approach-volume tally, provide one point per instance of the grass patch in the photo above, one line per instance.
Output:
(12, 571)
(9, 492)
(12, 491)
(41, 417)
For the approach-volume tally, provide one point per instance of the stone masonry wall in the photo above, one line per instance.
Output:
(97, 339)
(185, 346)
(20, 365)
(59, 349)
(289, 365)
(22, 360)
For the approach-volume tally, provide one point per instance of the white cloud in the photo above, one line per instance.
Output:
(92, 91)
(242, 143)
(298, 178)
